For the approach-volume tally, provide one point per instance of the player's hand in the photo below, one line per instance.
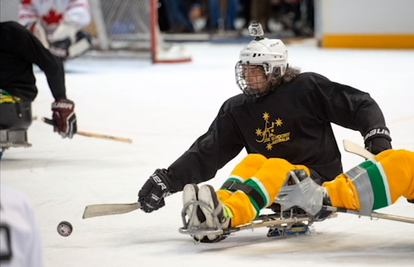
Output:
(156, 188)
(378, 140)
(64, 117)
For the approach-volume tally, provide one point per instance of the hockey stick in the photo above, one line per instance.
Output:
(374, 214)
(109, 209)
(102, 136)
(356, 149)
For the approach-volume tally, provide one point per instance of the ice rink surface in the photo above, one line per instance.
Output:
(164, 108)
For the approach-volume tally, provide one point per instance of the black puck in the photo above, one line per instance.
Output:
(64, 228)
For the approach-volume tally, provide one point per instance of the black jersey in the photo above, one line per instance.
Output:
(19, 50)
(293, 122)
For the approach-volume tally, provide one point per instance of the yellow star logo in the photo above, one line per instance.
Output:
(279, 122)
(269, 147)
(266, 116)
(259, 132)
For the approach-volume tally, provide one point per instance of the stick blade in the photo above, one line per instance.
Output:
(356, 149)
(109, 209)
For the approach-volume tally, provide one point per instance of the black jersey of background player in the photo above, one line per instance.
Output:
(293, 122)
(19, 50)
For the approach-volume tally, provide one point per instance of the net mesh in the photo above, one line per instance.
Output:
(127, 23)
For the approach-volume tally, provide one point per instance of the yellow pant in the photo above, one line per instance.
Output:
(394, 167)
(267, 176)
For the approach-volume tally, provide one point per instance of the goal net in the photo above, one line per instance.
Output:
(122, 25)
(133, 25)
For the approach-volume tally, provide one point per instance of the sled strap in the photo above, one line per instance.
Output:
(252, 192)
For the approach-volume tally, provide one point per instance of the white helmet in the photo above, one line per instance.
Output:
(271, 54)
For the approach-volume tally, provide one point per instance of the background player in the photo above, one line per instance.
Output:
(19, 50)
(58, 25)
(20, 238)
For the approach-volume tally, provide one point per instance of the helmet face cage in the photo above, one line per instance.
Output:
(262, 64)
(256, 80)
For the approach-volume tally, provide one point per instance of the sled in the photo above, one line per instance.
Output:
(280, 223)
(294, 221)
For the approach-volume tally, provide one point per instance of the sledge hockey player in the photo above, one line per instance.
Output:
(20, 237)
(283, 114)
(58, 25)
(19, 50)
(255, 183)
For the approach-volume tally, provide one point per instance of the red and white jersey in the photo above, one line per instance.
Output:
(20, 238)
(53, 12)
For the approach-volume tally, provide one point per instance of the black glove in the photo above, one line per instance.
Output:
(64, 117)
(378, 140)
(156, 188)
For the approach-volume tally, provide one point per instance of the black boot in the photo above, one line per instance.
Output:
(323, 214)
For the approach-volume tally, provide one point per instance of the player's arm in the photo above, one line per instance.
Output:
(199, 163)
(353, 109)
(209, 153)
(26, 45)
(30, 48)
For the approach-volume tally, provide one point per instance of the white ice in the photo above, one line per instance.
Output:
(163, 108)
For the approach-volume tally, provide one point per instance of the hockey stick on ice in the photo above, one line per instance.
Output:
(109, 209)
(356, 149)
(374, 214)
(102, 136)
